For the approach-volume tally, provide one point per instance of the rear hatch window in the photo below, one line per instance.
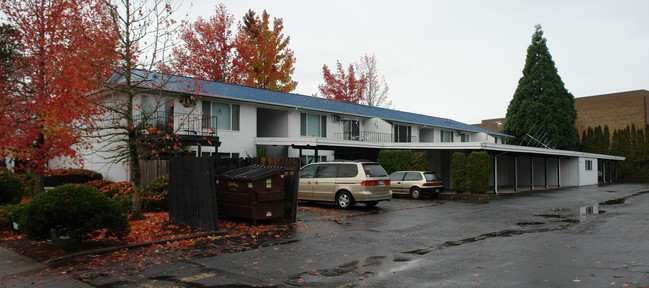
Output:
(374, 170)
(431, 177)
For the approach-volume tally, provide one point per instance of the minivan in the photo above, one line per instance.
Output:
(345, 183)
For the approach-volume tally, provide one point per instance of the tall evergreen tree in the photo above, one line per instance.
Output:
(541, 100)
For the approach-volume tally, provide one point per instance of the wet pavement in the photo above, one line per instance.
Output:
(594, 236)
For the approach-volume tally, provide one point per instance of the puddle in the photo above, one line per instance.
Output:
(550, 215)
(529, 223)
(617, 201)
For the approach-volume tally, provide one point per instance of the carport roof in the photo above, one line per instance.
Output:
(249, 94)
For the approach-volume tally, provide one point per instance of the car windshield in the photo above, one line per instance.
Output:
(374, 170)
(430, 176)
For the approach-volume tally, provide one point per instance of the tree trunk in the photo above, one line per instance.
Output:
(39, 183)
(136, 213)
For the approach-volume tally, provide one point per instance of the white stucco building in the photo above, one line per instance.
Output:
(250, 121)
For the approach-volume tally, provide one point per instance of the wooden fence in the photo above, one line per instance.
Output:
(192, 192)
(152, 169)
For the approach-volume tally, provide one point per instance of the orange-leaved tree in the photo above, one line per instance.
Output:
(208, 50)
(347, 87)
(267, 60)
(46, 111)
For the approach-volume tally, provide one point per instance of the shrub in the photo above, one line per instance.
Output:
(99, 183)
(477, 169)
(395, 160)
(419, 161)
(120, 191)
(58, 177)
(11, 188)
(80, 209)
(458, 172)
(9, 214)
(155, 197)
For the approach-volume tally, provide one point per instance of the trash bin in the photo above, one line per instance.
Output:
(254, 192)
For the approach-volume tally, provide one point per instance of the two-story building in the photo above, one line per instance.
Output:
(253, 122)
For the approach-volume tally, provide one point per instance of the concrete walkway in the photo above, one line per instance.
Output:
(17, 270)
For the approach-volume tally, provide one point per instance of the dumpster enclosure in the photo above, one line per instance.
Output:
(254, 192)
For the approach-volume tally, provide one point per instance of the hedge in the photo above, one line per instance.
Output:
(58, 177)
(477, 171)
(395, 160)
(458, 172)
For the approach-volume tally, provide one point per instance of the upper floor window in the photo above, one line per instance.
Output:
(313, 125)
(465, 137)
(446, 136)
(157, 111)
(402, 133)
(351, 130)
(227, 115)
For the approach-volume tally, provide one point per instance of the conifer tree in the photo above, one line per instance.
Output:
(541, 100)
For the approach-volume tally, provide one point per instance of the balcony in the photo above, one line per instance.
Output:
(375, 137)
(179, 124)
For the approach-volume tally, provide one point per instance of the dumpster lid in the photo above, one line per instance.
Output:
(250, 172)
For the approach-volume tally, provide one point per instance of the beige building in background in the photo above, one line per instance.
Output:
(617, 110)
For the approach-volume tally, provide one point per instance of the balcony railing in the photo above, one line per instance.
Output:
(376, 137)
(181, 124)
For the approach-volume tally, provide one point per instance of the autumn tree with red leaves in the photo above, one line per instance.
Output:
(266, 58)
(347, 87)
(208, 50)
(45, 101)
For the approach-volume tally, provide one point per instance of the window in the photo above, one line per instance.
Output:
(308, 171)
(446, 136)
(402, 133)
(589, 165)
(411, 176)
(313, 125)
(347, 170)
(326, 171)
(397, 176)
(465, 137)
(374, 170)
(157, 111)
(221, 116)
(351, 130)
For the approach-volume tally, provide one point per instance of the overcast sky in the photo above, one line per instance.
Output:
(461, 59)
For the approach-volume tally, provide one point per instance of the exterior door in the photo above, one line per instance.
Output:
(412, 179)
(396, 182)
(325, 182)
(305, 190)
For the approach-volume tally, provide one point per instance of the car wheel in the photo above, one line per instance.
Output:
(415, 193)
(371, 203)
(344, 200)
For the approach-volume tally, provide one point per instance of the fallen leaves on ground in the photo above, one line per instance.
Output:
(234, 236)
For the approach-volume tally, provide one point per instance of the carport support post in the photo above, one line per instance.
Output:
(559, 172)
(545, 165)
(604, 171)
(515, 173)
(531, 173)
(495, 174)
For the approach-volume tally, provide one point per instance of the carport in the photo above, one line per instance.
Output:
(521, 166)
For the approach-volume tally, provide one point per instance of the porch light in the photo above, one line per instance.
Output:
(188, 101)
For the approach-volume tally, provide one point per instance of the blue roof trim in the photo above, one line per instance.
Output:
(214, 88)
